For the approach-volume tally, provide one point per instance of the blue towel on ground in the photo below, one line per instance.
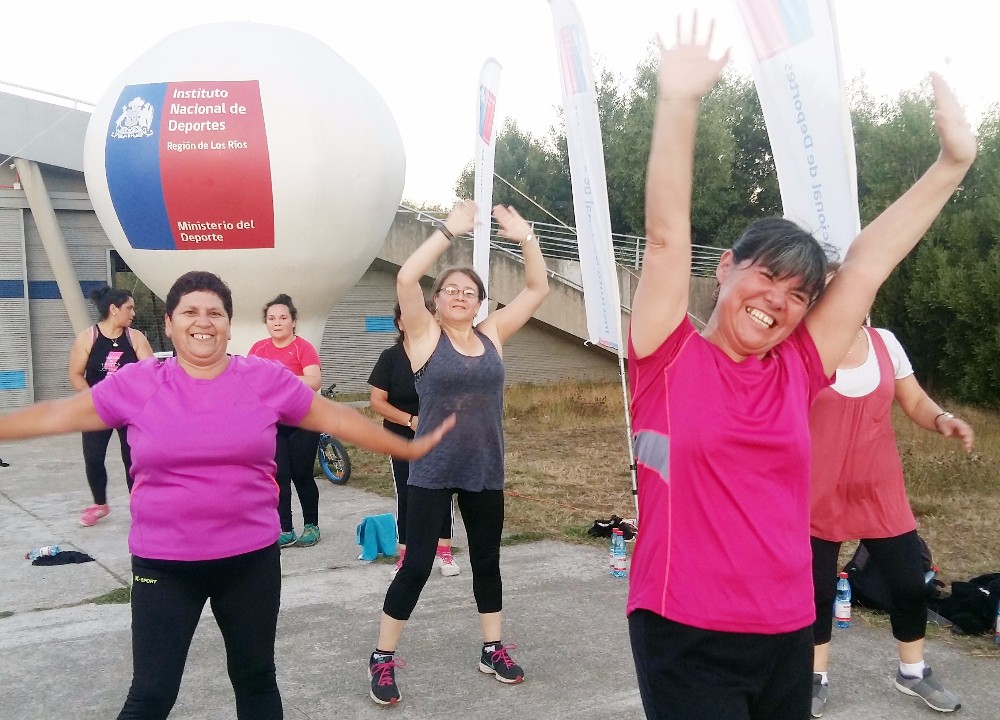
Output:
(376, 534)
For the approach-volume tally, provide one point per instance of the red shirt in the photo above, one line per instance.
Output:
(296, 356)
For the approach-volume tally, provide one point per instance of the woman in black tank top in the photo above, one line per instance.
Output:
(459, 372)
(97, 352)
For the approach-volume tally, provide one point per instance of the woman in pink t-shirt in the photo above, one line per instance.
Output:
(204, 520)
(720, 600)
(295, 451)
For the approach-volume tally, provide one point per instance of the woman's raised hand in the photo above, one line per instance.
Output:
(512, 225)
(686, 70)
(958, 141)
(462, 218)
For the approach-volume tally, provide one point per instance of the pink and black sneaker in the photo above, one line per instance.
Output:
(382, 673)
(497, 660)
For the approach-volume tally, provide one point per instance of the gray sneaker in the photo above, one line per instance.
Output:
(820, 693)
(929, 690)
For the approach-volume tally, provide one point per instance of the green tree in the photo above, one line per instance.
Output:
(532, 166)
(942, 302)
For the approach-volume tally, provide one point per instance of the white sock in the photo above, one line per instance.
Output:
(823, 677)
(913, 670)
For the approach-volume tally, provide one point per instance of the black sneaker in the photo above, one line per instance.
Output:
(495, 659)
(382, 673)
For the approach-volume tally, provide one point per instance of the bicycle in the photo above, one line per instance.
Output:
(331, 453)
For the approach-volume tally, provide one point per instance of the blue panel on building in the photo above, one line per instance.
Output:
(380, 324)
(11, 289)
(13, 380)
(49, 289)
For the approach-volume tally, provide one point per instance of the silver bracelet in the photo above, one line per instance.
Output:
(943, 414)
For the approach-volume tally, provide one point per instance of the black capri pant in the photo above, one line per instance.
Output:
(95, 450)
(901, 564)
(482, 513)
(400, 476)
(295, 456)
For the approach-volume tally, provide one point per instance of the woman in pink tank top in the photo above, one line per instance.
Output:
(858, 492)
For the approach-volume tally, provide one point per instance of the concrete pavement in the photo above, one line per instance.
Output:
(64, 657)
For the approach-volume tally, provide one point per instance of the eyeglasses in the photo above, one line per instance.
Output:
(467, 293)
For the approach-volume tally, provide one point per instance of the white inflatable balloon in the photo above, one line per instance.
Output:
(251, 151)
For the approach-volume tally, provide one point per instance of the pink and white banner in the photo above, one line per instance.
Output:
(489, 85)
(795, 56)
(587, 174)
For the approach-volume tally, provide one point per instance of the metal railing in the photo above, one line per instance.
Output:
(49, 97)
(559, 242)
(508, 247)
(562, 244)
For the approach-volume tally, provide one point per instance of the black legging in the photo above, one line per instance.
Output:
(901, 563)
(95, 450)
(687, 673)
(295, 456)
(400, 475)
(167, 599)
(482, 513)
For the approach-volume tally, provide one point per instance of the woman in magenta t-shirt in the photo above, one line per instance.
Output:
(204, 521)
(295, 448)
(720, 600)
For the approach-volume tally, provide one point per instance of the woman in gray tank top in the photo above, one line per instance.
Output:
(458, 368)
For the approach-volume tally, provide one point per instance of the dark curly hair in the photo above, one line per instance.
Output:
(199, 281)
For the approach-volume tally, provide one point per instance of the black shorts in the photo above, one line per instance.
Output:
(686, 673)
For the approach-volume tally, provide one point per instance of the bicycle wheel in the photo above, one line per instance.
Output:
(334, 460)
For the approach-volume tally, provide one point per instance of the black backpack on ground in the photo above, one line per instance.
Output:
(972, 605)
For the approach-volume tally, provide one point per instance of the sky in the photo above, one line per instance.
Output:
(424, 57)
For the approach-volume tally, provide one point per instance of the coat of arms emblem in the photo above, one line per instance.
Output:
(136, 120)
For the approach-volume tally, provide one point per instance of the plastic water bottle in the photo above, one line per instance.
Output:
(842, 605)
(43, 551)
(930, 575)
(618, 566)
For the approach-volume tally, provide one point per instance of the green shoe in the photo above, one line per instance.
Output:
(286, 539)
(309, 536)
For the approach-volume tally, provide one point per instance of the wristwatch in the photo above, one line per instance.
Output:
(409, 423)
